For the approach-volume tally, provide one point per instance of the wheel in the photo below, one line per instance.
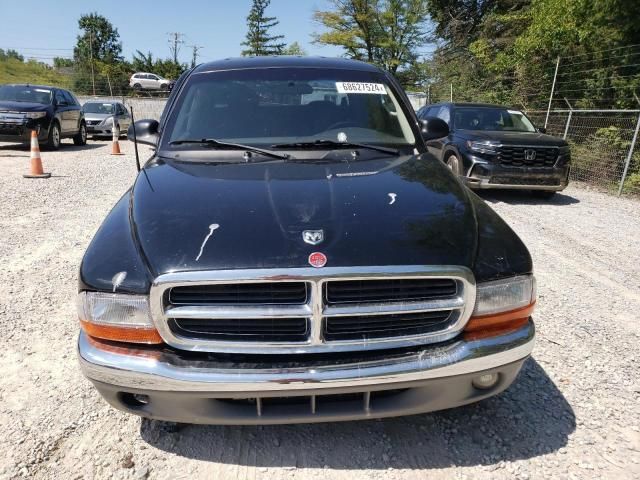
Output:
(137, 86)
(543, 193)
(454, 164)
(53, 139)
(81, 137)
(164, 86)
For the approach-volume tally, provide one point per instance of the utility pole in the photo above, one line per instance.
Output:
(194, 59)
(93, 78)
(175, 40)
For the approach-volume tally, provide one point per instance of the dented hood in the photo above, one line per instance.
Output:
(381, 211)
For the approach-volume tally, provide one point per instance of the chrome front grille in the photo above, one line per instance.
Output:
(306, 310)
(516, 156)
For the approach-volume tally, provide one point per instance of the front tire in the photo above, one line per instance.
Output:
(53, 139)
(454, 164)
(81, 138)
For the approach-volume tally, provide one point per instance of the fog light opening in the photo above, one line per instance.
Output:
(486, 381)
(134, 400)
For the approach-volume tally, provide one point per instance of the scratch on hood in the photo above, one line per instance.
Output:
(212, 228)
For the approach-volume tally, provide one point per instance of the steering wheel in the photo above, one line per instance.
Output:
(343, 123)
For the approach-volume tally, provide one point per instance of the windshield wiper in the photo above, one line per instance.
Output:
(334, 144)
(213, 143)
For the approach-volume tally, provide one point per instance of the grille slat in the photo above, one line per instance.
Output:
(376, 326)
(389, 290)
(280, 293)
(260, 329)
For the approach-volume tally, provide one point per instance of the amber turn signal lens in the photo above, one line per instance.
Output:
(483, 326)
(121, 334)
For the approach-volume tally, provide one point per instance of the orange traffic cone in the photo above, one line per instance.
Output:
(115, 135)
(36, 161)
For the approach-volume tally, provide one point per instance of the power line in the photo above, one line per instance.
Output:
(601, 51)
(609, 57)
(33, 48)
(611, 76)
(576, 72)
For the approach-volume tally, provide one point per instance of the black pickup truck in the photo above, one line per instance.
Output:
(292, 253)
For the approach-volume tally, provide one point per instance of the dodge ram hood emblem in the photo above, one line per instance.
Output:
(313, 237)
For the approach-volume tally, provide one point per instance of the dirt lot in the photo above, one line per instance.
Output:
(574, 411)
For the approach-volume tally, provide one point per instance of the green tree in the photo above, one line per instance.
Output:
(98, 39)
(4, 55)
(294, 49)
(505, 51)
(166, 68)
(388, 33)
(259, 41)
(61, 62)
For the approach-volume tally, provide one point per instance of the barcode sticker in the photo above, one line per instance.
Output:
(361, 87)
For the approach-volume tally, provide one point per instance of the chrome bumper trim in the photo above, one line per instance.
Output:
(484, 184)
(164, 371)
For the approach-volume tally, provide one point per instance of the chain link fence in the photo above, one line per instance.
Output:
(603, 148)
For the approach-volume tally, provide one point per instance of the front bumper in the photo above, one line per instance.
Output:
(201, 388)
(21, 132)
(483, 175)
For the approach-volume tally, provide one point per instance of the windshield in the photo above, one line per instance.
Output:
(21, 93)
(264, 107)
(493, 119)
(104, 108)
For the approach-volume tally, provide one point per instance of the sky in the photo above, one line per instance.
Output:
(50, 28)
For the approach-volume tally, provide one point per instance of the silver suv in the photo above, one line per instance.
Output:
(148, 81)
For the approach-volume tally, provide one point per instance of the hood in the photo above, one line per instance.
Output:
(513, 138)
(97, 116)
(6, 105)
(383, 211)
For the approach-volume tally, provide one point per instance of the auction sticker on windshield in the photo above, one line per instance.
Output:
(361, 87)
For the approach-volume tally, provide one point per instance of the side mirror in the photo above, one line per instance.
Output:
(542, 130)
(434, 127)
(144, 131)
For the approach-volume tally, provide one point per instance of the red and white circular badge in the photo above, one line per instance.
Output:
(317, 260)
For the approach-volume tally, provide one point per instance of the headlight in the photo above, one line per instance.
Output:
(487, 146)
(116, 316)
(502, 305)
(34, 115)
(107, 121)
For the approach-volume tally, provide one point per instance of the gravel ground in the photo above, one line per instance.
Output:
(573, 412)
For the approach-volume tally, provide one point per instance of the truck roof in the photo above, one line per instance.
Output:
(284, 62)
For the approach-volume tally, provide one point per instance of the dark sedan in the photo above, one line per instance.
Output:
(492, 146)
(53, 112)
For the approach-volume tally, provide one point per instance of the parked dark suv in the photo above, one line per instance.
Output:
(55, 114)
(492, 146)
